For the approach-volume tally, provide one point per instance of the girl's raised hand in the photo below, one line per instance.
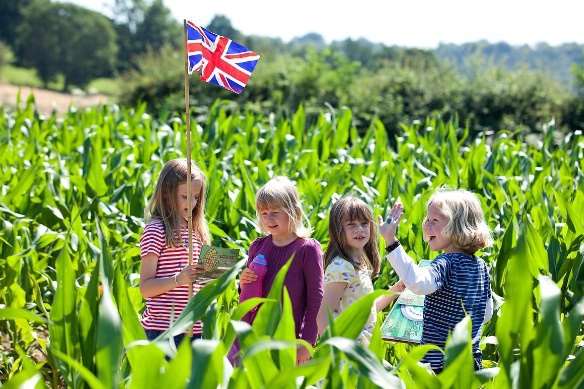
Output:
(247, 276)
(388, 228)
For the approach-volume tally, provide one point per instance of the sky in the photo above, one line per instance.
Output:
(412, 23)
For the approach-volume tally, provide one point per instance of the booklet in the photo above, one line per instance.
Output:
(404, 322)
(217, 260)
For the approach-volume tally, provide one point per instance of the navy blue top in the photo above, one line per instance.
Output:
(463, 288)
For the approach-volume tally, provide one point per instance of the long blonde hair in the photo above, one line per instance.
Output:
(466, 227)
(163, 205)
(351, 208)
(281, 193)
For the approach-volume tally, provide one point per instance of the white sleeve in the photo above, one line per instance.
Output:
(417, 279)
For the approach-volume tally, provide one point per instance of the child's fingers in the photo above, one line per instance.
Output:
(397, 212)
(193, 271)
(394, 214)
(247, 276)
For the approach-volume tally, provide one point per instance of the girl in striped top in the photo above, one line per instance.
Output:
(165, 274)
(457, 283)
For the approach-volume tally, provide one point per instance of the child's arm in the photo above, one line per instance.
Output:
(151, 286)
(333, 291)
(418, 280)
(382, 302)
(313, 276)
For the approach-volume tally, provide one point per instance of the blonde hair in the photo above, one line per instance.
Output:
(281, 193)
(347, 209)
(163, 205)
(466, 227)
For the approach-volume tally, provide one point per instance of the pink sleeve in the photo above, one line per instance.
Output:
(152, 240)
(313, 274)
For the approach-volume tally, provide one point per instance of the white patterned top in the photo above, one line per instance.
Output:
(358, 285)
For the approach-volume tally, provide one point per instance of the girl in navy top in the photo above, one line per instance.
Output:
(457, 282)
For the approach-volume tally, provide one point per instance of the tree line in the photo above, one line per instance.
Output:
(141, 45)
(65, 39)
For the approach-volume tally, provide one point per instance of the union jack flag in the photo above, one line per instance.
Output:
(218, 59)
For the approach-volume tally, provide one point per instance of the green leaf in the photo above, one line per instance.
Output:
(63, 328)
(459, 362)
(109, 345)
(132, 328)
(178, 370)
(286, 331)
(207, 364)
(548, 350)
(365, 362)
(351, 321)
(87, 375)
(146, 361)
(32, 379)
(18, 313)
(314, 370)
(513, 333)
(269, 315)
(572, 374)
(198, 304)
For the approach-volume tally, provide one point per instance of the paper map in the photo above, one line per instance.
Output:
(404, 322)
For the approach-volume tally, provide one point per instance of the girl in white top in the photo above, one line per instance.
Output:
(351, 260)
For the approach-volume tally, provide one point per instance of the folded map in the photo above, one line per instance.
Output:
(404, 322)
(217, 260)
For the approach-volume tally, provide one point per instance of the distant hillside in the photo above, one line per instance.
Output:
(467, 58)
(556, 61)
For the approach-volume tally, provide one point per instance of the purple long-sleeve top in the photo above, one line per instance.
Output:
(304, 280)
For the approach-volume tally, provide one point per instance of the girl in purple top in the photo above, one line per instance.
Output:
(281, 217)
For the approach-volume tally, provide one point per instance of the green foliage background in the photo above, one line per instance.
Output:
(72, 199)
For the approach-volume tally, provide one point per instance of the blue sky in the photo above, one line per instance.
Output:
(414, 23)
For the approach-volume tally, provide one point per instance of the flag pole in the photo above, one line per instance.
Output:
(188, 123)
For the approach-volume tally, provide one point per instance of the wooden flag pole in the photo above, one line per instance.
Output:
(188, 123)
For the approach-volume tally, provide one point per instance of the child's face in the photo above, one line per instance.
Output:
(433, 226)
(182, 201)
(275, 221)
(356, 233)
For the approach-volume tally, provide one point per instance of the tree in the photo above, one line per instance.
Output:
(222, 25)
(10, 17)
(61, 38)
(158, 28)
(578, 72)
(140, 27)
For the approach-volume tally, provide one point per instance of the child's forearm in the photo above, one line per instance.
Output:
(382, 302)
(418, 280)
(157, 286)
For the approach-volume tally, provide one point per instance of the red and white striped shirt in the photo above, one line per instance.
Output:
(163, 309)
